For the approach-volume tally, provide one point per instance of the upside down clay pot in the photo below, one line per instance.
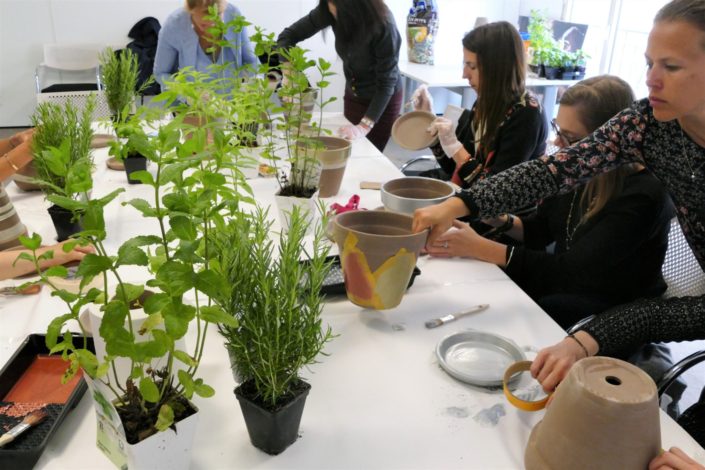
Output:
(604, 415)
(378, 252)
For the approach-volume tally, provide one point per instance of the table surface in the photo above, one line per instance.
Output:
(379, 400)
(448, 76)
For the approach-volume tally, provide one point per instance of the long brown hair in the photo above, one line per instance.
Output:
(356, 18)
(597, 99)
(689, 11)
(502, 67)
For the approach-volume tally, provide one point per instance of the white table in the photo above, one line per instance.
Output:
(451, 78)
(379, 400)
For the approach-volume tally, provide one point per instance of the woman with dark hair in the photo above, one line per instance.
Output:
(185, 41)
(610, 236)
(506, 125)
(368, 42)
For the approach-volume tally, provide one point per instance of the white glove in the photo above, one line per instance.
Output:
(421, 99)
(445, 128)
(351, 132)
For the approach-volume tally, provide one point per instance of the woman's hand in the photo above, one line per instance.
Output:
(21, 137)
(422, 100)
(445, 129)
(460, 240)
(674, 459)
(553, 363)
(352, 132)
(439, 218)
(76, 254)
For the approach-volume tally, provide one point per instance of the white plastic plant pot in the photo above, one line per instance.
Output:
(166, 450)
(122, 364)
(285, 205)
(72, 284)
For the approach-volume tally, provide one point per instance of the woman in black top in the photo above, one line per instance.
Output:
(368, 42)
(609, 237)
(506, 125)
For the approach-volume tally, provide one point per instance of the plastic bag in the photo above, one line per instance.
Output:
(421, 29)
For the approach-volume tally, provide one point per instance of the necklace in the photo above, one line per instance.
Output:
(568, 232)
(686, 155)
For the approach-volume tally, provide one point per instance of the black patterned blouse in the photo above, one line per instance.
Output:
(634, 135)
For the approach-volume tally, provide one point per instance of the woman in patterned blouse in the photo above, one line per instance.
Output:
(666, 133)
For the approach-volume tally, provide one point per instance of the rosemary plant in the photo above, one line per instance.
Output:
(120, 75)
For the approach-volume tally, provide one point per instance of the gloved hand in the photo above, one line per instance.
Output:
(421, 99)
(352, 132)
(446, 134)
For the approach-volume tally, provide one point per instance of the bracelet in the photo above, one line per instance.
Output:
(367, 122)
(582, 346)
(10, 162)
(506, 225)
(510, 253)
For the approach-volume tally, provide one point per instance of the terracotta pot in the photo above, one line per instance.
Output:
(378, 253)
(414, 192)
(23, 178)
(333, 157)
(604, 415)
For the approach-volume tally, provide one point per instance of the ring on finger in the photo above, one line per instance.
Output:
(445, 244)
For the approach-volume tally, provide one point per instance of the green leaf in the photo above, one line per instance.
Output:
(177, 202)
(105, 200)
(102, 369)
(177, 318)
(155, 303)
(54, 329)
(31, 243)
(143, 206)
(128, 292)
(183, 227)
(217, 315)
(148, 350)
(150, 323)
(24, 256)
(143, 176)
(185, 358)
(164, 339)
(57, 271)
(203, 390)
(92, 265)
(93, 219)
(176, 277)
(149, 390)
(143, 240)
(88, 361)
(211, 283)
(187, 382)
(165, 418)
(67, 203)
(64, 295)
(131, 255)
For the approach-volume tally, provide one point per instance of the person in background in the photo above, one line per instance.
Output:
(15, 153)
(184, 41)
(610, 236)
(368, 42)
(506, 124)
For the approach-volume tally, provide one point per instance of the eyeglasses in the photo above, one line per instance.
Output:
(564, 139)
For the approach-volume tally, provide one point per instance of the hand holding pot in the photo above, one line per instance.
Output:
(674, 459)
(421, 99)
(460, 240)
(553, 363)
(439, 218)
(445, 129)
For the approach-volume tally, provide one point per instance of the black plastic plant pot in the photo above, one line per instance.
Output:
(63, 223)
(272, 431)
(551, 72)
(19, 396)
(134, 162)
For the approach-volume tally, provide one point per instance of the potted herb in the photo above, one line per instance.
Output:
(120, 78)
(554, 63)
(61, 145)
(145, 416)
(568, 67)
(276, 300)
(580, 61)
(540, 39)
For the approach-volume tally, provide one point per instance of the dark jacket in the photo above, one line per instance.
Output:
(370, 66)
(521, 136)
(144, 35)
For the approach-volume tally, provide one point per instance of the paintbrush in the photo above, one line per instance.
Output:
(30, 420)
(454, 316)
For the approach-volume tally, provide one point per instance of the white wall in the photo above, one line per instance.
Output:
(25, 25)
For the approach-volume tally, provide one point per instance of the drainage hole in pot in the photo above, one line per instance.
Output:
(612, 380)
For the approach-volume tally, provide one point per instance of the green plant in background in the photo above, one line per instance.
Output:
(120, 75)
(540, 36)
(580, 58)
(61, 145)
(274, 294)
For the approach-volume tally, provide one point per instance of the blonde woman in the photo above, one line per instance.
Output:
(184, 41)
(609, 238)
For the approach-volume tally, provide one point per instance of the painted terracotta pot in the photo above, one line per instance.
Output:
(604, 415)
(332, 154)
(378, 252)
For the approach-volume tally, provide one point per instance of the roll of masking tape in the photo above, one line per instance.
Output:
(524, 405)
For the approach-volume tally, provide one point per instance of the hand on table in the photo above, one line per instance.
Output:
(460, 240)
(445, 129)
(421, 99)
(674, 459)
(21, 137)
(76, 254)
(351, 132)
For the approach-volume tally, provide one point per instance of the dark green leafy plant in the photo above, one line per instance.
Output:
(274, 294)
(61, 145)
(120, 75)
